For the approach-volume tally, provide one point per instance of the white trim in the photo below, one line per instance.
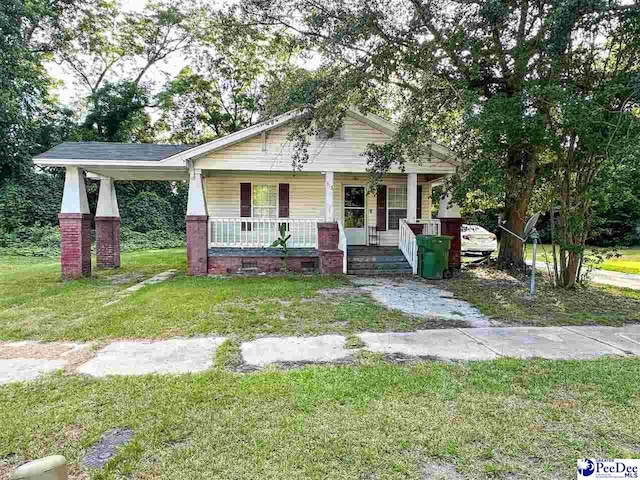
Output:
(329, 188)
(364, 209)
(277, 185)
(81, 162)
(412, 197)
(196, 201)
(74, 196)
(107, 201)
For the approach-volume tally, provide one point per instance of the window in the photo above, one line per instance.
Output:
(264, 201)
(396, 206)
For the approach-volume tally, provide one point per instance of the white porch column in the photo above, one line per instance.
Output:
(329, 215)
(197, 220)
(107, 201)
(74, 196)
(196, 203)
(75, 226)
(107, 226)
(412, 197)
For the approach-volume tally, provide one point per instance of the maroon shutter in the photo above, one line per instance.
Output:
(419, 204)
(381, 210)
(283, 200)
(245, 205)
(245, 199)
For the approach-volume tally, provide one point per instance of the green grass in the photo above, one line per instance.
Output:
(36, 304)
(493, 419)
(629, 262)
(505, 299)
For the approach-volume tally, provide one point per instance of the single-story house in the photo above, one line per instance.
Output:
(242, 187)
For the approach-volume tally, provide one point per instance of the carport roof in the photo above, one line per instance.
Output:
(147, 152)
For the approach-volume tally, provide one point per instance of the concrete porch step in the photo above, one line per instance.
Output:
(376, 259)
(380, 272)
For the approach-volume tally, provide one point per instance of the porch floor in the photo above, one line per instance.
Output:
(261, 252)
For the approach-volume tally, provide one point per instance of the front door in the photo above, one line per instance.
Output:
(355, 218)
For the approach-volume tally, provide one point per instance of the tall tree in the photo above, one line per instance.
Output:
(113, 44)
(29, 31)
(593, 115)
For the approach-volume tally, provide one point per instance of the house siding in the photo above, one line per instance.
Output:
(306, 195)
(334, 155)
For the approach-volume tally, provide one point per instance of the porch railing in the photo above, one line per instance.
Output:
(408, 246)
(242, 232)
(342, 245)
(431, 226)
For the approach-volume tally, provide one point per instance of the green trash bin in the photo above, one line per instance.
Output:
(433, 255)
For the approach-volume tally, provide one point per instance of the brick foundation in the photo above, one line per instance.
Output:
(75, 244)
(452, 228)
(331, 261)
(328, 239)
(197, 244)
(221, 265)
(107, 242)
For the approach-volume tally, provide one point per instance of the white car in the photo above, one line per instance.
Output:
(476, 239)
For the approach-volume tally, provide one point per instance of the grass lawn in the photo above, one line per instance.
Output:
(503, 298)
(629, 262)
(36, 304)
(494, 419)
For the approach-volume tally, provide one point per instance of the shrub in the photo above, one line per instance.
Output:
(147, 212)
(44, 241)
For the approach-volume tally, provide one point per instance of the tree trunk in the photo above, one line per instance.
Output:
(571, 272)
(511, 248)
(519, 181)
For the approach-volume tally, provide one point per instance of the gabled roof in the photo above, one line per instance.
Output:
(144, 155)
(151, 152)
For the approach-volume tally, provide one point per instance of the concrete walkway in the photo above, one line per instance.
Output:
(22, 361)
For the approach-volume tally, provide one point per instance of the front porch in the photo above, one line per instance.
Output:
(235, 244)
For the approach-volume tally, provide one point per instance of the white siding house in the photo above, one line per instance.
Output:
(243, 186)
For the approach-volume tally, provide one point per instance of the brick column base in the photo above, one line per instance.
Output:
(75, 244)
(328, 240)
(452, 228)
(197, 244)
(107, 242)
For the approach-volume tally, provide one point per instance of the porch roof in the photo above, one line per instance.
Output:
(108, 151)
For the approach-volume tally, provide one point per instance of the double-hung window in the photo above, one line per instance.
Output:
(396, 205)
(264, 201)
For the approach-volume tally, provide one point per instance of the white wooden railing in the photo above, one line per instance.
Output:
(342, 245)
(408, 246)
(242, 232)
(431, 226)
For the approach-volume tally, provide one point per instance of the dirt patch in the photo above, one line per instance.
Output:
(441, 471)
(77, 357)
(122, 278)
(44, 351)
(342, 292)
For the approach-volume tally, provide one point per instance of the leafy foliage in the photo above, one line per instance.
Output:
(147, 211)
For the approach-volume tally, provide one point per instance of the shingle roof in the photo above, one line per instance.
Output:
(113, 151)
